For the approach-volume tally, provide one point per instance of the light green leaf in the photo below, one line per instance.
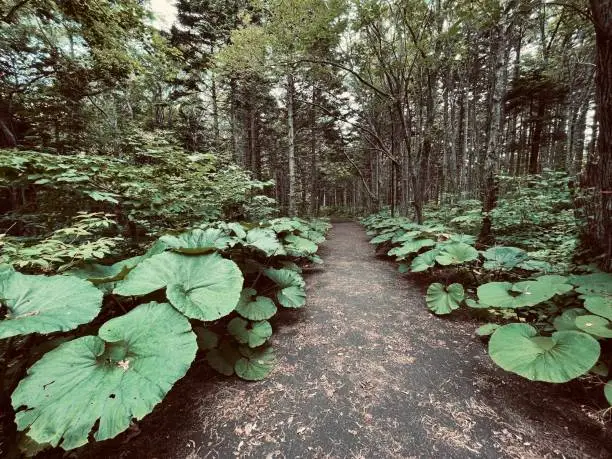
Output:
(456, 253)
(595, 325)
(264, 239)
(260, 308)
(252, 334)
(442, 300)
(292, 293)
(410, 247)
(567, 320)
(198, 241)
(599, 305)
(111, 378)
(519, 295)
(204, 287)
(45, 304)
(100, 274)
(255, 364)
(566, 355)
(298, 246)
(503, 258)
(487, 329)
(424, 261)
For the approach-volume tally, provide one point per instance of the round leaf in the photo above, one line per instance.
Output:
(46, 304)
(457, 253)
(261, 308)
(223, 358)
(255, 364)
(564, 356)
(595, 325)
(424, 261)
(252, 334)
(442, 300)
(105, 380)
(198, 241)
(505, 258)
(567, 320)
(206, 287)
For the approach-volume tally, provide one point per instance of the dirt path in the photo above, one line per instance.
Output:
(365, 371)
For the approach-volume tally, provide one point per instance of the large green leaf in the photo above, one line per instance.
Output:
(292, 293)
(456, 253)
(223, 358)
(487, 329)
(259, 308)
(409, 247)
(264, 239)
(424, 261)
(105, 380)
(596, 291)
(608, 391)
(560, 358)
(519, 295)
(595, 325)
(443, 300)
(45, 304)
(252, 334)
(198, 241)
(298, 246)
(204, 287)
(503, 258)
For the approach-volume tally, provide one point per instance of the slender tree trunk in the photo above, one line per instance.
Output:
(489, 185)
(291, 143)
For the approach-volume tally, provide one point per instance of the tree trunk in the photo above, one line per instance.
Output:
(599, 170)
(291, 144)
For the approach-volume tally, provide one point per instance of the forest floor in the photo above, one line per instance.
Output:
(365, 371)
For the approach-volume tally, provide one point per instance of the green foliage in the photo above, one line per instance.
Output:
(201, 273)
(560, 358)
(443, 300)
(43, 304)
(105, 378)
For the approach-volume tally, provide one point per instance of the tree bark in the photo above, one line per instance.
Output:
(598, 180)
(291, 143)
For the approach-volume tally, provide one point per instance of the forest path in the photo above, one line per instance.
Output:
(365, 371)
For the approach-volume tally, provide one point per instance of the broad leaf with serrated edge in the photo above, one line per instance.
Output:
(105, 380)
(204, 287)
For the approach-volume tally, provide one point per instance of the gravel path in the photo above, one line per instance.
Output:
(365, 371)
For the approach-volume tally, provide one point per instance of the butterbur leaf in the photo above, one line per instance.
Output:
(198, 241)
(557, 359)
(559, 284)
(292, 293)
(519, 295)
(487, 329)
(264, 239)
(259, 308)
(255, 364)
(503, 258)
(410, 247)
(600, 369)
(599, 305)
(45, 304)
(206, 287)
(443, 300)
(252, 334)
(424, 261)
(298, 246)
(456, 253)
(403, 268)
(238, 229)
(567, 320)
(105, 380)
(594, 325)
